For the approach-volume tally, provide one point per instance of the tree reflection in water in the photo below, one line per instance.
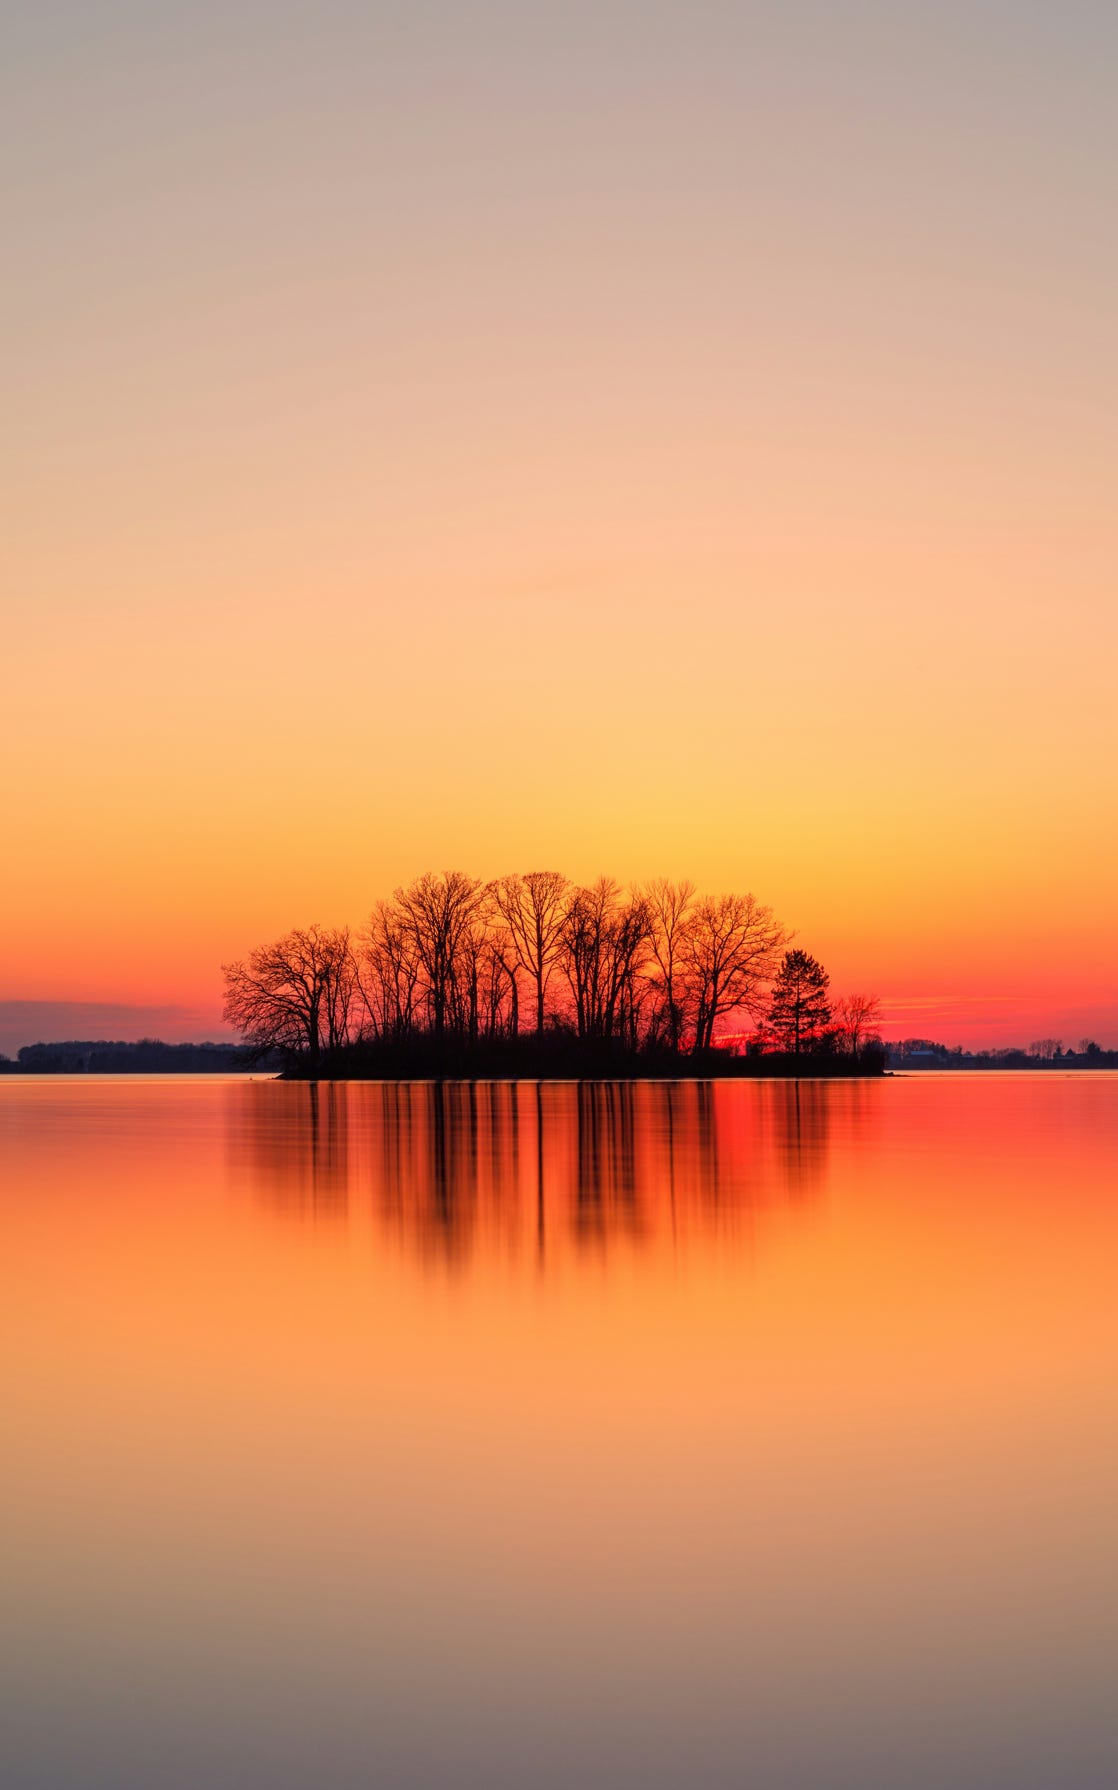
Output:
(537, 1169)
(296, 1148)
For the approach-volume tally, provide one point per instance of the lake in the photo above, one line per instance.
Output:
(662, 1434)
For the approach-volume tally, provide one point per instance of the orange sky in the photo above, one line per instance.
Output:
(658, 441)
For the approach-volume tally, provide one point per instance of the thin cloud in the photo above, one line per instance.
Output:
(46, 1022)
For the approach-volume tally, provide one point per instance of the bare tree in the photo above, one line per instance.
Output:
(450, 954)
(729, 952)
(499, 986)
(858, 1017)
(630, 955)
(294, 995)
(388, 970)
(604, 946)
(584, 921)
(471, 963)
(533, 909)
(341, 992)
(669, 905)
(438, 911)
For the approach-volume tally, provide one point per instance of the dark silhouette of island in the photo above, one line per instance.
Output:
(537, 976)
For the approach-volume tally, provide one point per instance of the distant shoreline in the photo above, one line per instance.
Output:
(528, 1060)
(553, 1058)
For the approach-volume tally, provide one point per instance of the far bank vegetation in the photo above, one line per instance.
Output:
(535, 974)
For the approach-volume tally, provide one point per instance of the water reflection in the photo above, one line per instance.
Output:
(298, 1149)
(555, 1435)
(534, 1168)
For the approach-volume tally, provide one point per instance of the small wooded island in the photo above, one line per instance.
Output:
(534, 975)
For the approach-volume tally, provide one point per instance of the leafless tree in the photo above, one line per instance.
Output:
(729, 951)
(341, 992)
(669, 905)
(295, 995)
(471, 966)
(388, 968)
(630, 958)
(500, 984)
(533, 909)
(438, 911)
(604, 946)
(858, 1017)
(451, 955)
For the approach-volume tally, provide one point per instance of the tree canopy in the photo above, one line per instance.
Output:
(799, 1011)
(658, 969)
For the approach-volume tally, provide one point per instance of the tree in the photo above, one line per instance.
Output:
(858, 1016)
(388, 969)
(451, 957)
(471, 967)
(604, 944)
(799, 1009)
(533, 908)
(439, 912)
(296, 995)
(728, 952)
(500, 990)
(669, 906)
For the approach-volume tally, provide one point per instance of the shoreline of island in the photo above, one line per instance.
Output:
(555, 1057)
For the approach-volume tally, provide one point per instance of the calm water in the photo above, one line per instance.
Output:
(666, 1435)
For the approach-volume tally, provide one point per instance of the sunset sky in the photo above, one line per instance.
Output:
(655, 438)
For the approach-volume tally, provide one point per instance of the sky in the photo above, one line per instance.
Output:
(656, 439)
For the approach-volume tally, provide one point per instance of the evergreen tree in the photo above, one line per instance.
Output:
(799, 1011)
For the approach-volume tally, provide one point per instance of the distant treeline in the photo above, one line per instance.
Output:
(1042, 1053)
(147, 1057)
(535, 974)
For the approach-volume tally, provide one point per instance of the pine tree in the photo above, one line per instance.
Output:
(799, 1011)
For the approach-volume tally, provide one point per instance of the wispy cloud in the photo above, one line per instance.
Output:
(977, 1020)
(40, 1022)
(948, 1003)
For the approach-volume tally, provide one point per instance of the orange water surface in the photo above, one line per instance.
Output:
(667, 1434)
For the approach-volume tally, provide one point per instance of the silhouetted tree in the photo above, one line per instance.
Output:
(470, 965)
(728, 951)
(533, 908)
(294, 995)
(388, 970)
(799, 1010)
(439, 912)
(499, 984)
(858, 1017)
(448, 959)
(604, 945)
(669, 906)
